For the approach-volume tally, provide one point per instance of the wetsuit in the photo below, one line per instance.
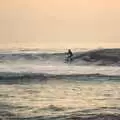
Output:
(70, 54)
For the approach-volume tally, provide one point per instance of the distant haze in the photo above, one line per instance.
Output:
(59, 23)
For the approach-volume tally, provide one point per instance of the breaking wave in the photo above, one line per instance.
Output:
(93, 57)
(44, 65)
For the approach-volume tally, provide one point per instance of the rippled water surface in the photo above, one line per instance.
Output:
(59, 98)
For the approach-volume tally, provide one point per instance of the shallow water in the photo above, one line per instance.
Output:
(59, 99)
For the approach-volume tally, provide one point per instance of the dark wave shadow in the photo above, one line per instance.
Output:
(88, 114)
(23, 78)
(70, 117)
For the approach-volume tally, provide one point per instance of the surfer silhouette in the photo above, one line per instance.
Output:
(69, 55)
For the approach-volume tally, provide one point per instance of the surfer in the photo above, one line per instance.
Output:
(69, 55)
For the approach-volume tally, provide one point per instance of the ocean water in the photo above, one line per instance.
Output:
(40, 85)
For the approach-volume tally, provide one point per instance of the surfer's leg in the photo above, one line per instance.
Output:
(70, 58)
(67, 59)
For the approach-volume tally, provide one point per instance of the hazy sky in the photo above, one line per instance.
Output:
(59, 23)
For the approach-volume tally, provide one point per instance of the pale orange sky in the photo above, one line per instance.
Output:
(59, 23)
